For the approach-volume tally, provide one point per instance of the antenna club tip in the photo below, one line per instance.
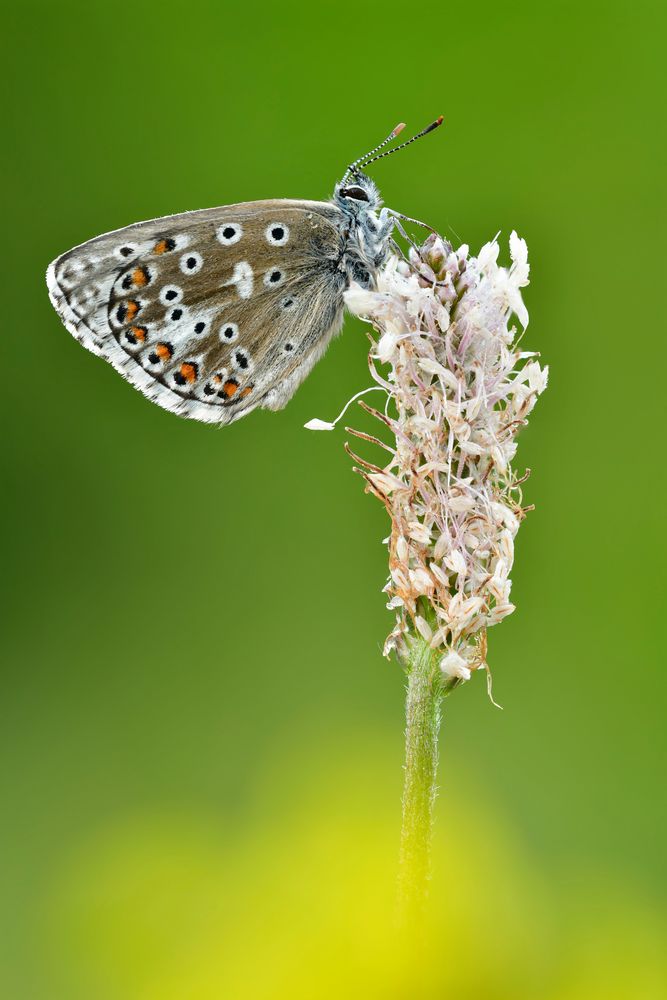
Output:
(440, 119)
(399, 128)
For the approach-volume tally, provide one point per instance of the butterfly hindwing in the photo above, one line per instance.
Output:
(211, 313)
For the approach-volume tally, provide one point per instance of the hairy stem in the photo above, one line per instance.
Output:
(425, 692)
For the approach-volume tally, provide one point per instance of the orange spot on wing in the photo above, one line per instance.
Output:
(229, 388)
(163, 351)
(217, 379)
(246, 392)
(131, 309)
(140, 276)
(162, 246)
(139, 332)
(189, 372)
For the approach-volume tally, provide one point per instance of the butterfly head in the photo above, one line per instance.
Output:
(356, 194)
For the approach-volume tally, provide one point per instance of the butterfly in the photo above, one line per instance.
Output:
(216, 312)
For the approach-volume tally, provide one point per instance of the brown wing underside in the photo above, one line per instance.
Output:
(210, 313)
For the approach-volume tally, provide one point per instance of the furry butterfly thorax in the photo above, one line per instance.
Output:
(216, 312)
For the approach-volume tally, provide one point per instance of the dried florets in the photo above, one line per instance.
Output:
(459, 389)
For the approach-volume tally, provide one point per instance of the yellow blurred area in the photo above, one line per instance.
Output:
(301, 905)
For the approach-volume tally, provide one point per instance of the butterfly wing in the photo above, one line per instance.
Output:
(210, 313)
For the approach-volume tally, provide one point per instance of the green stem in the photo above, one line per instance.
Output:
(423, 714)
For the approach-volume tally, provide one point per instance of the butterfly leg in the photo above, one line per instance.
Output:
(399, 250)
(416, 222)
(389, 221)
(406, 218)
(399, 226)
(386, 223)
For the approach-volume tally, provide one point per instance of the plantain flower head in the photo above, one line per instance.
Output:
(446, 353)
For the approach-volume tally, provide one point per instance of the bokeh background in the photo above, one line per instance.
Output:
(201, 745)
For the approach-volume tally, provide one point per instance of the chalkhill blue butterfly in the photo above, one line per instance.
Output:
(216, 312)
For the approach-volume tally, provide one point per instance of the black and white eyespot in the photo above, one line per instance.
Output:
(277, 234)
(229, 233)
(241, 360)
(213, 384)
(200, 327)
(191, 263)
(171, 295)
(134, 339)
(126, 311)
(229, 332)
(354, 192)
(274, 277)
(288, 303)
(176, 315)
(126, 251)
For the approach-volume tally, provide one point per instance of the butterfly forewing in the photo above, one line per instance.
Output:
(210, 313)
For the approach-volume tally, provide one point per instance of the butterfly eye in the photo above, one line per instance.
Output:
(229, 234)
(356, 193)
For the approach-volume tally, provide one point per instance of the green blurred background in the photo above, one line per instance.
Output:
(201, 743)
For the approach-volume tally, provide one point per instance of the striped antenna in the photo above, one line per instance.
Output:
(392, 135)
(372, 157)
